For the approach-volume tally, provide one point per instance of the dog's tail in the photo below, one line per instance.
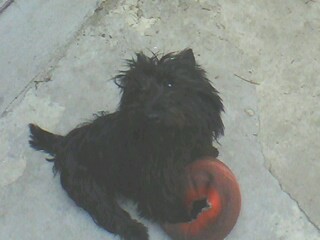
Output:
(42, 140)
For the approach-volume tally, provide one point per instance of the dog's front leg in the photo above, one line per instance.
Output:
(204, 151)
(104, 209)
(212, 151)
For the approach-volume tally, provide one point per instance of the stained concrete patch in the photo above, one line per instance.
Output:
(134, 16)
(13, 134)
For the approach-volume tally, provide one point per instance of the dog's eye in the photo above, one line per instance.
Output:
(169, 84)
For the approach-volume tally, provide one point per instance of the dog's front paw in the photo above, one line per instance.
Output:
(213, 152)
(209, 151)
(135, 232)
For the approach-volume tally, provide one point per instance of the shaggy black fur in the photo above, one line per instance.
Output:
(168, 116)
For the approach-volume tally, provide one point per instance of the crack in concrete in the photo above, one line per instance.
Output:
(20, 94)
(292, 198)
(268, 166)
(61, 53)
(5, 5)
(45, 80)
(45, 76)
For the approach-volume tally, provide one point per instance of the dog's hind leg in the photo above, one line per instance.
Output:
(104, 209)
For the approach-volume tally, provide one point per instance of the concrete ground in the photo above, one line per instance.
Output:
(57, 59)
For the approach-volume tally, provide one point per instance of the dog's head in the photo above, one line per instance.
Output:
(170, 91)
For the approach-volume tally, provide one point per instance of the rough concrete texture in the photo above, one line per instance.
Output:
(263, 56)
(2, 3)
(31, 34)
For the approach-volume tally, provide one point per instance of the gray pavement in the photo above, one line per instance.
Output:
(263, 56)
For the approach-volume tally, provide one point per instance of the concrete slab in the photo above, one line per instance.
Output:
(281, 39)
(33, 205)
(33, 34)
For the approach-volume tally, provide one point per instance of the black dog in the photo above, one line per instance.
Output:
(168, 116)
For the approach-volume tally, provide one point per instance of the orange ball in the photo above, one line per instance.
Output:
(212, 180)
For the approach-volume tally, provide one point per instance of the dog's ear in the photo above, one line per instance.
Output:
(141, 58)
(139, 62)
(187, 56)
